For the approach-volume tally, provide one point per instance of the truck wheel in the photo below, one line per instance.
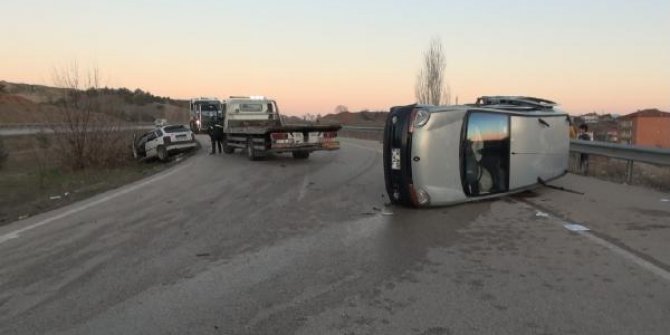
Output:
(301, 154)
(162, 153)
(251, 151)
(226, 148)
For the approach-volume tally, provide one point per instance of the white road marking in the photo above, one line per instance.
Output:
(575, 227)
(15, 234)
(628, 255)
(586, 232)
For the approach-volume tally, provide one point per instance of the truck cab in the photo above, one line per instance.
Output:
(203, 111)
(250, 112)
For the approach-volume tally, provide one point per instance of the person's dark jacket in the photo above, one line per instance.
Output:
(217, 132)
(584, 137)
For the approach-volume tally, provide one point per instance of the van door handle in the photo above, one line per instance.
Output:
(542, 122)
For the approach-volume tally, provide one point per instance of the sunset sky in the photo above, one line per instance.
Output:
(605, 56)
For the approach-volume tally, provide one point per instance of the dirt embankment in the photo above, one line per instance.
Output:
(17, 109)
(24, 103)
(363, 118)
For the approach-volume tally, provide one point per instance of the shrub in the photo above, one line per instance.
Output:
(3, 153)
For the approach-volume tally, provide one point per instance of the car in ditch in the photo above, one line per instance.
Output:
(445, 155)
(162, 142)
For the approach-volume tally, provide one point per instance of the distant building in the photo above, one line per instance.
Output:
(590, 118)
(650, 127)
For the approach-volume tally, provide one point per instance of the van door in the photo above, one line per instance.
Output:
(539, 149)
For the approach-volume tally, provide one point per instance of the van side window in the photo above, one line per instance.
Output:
(486, 153)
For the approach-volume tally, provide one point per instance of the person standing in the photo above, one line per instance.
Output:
(584, 158)
(218, 135)
(211, 131)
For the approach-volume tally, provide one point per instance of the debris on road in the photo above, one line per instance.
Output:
(55, 197)
(541, 214)
(575, 227)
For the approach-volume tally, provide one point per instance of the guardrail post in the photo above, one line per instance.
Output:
(629, 172)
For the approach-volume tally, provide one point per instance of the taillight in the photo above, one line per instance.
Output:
(167, 140)
(279, 136)
(330, 134)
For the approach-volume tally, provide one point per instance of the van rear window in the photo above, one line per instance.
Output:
(175, 129)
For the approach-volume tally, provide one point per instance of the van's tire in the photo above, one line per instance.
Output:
(226, 148)
(300, 154)
(251, 151)
(162, 153)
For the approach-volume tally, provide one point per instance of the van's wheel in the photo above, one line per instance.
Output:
(251, 151)
(301, 154)
(162, 153)
(227, 148)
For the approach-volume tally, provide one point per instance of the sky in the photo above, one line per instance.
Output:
(605, 56)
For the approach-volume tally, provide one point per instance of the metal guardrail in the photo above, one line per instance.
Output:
(30, 129)
(626, 152)
(46, 125)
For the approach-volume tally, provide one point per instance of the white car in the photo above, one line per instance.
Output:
(162, 142)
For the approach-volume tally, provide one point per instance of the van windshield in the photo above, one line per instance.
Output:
(485, 153)
(175, 129)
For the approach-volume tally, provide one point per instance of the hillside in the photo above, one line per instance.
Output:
(362, 118)
(25, 103)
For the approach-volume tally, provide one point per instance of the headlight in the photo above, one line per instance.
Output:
(418, 196)
(421, 118)
(197, 122)
(422, 197)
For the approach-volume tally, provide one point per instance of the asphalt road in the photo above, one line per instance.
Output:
(223, 245)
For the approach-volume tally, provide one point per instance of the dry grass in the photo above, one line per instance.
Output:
(34, 173)
(648, 175)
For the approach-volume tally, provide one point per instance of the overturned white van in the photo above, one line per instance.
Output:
(442, 155)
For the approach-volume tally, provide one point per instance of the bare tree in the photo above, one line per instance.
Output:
(341, 109)
(72, 124)
(4, 154)
(85, 130)
(430, 87)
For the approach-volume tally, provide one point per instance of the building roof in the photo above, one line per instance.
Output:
(647, 113)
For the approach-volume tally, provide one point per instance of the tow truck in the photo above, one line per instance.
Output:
(253, 124)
